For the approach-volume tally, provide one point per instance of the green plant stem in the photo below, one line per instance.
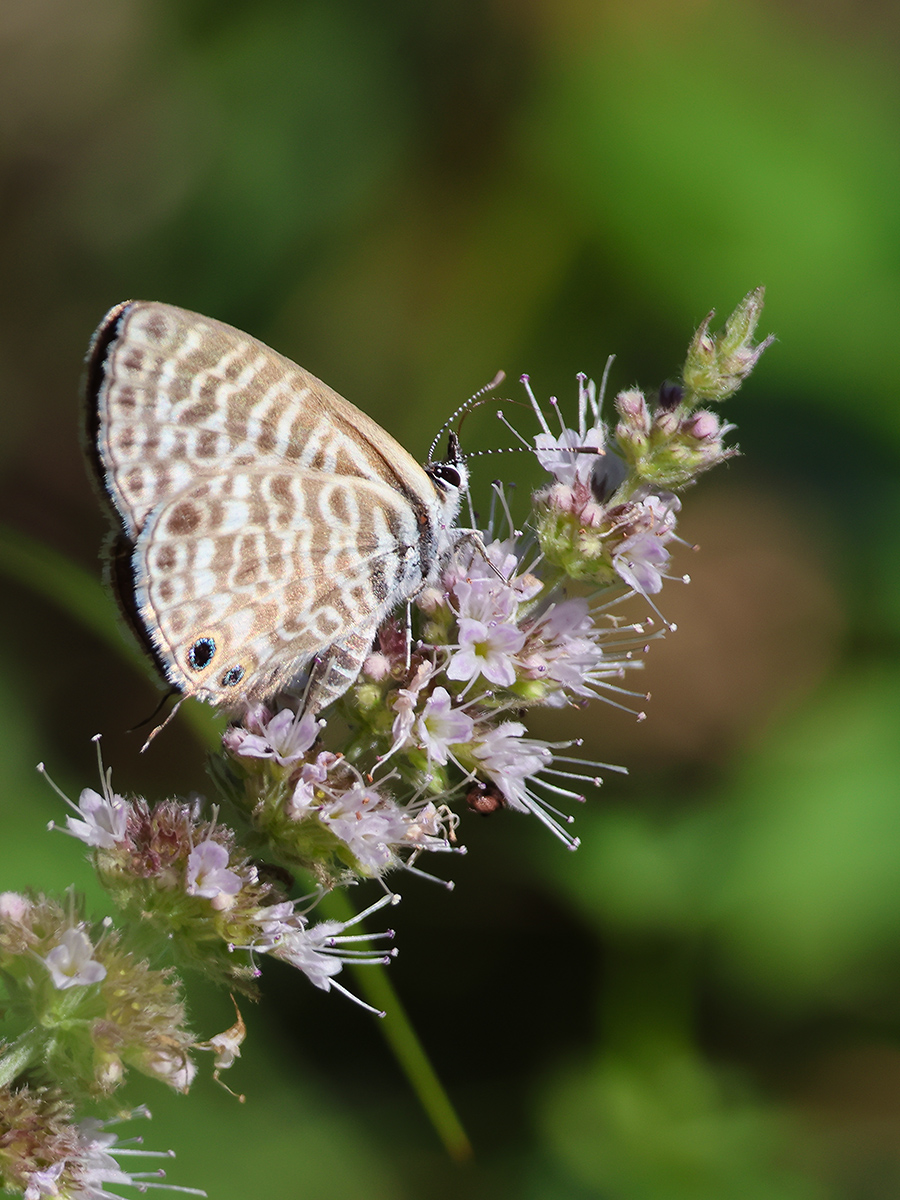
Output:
(400, 1035)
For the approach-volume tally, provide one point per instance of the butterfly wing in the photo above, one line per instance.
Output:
(264, 518)
(172, 394)
(242, 579)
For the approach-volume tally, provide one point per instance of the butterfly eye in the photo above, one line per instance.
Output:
(232, 676)
(446, 473)
(201, 653)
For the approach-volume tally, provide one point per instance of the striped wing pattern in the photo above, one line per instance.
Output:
(265, 520)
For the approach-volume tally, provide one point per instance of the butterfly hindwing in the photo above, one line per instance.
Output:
(269, 566)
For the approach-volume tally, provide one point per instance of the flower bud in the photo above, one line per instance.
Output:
(670, 396)
(717, 364)
(666, 424)
(704, 426)
(635, 416)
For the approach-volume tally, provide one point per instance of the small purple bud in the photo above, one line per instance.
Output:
(632, 408)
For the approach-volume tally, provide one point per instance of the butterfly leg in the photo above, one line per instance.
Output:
(408, 633)
(335, 669)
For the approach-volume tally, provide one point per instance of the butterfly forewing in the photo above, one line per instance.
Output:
(180, 394)
(267, 519)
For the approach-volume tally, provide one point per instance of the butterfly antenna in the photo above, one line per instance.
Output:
(472, 402)
(525, 447)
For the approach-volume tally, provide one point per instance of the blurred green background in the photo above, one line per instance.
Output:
(703, 1003)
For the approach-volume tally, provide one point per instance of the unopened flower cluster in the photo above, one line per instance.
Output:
(433, 731)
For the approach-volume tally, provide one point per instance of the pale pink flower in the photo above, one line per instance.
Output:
(441, 726)
(641, 561)
(488, 650)
(561, 458)
(71, 962)
(105, 819)
(208, 874)
(404, 703)
(285, 738)
(370, 824)
(318, 950)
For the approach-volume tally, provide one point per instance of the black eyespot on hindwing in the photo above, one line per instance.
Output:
(201, 653)
(233, 676)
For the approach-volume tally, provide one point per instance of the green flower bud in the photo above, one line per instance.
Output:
(717, 364)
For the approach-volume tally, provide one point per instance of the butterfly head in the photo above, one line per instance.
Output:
(451, 475)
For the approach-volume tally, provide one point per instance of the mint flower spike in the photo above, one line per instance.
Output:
(47, 1154)
(495, 634)
(187, 890)
(610, 512)
(92, 1008)
(717, 364)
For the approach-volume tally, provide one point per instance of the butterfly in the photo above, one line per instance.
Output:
(265, 527)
